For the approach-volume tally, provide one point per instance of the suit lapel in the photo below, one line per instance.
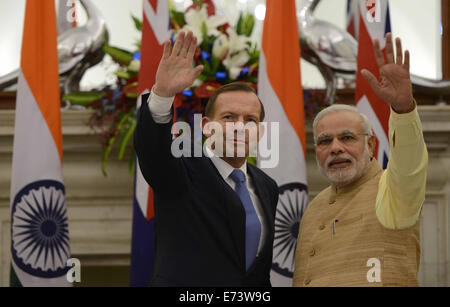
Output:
(236, 214)
(263, 195)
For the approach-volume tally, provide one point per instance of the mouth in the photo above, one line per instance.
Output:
(339, 163)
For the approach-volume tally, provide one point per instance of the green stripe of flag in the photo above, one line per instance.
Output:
(13, 279)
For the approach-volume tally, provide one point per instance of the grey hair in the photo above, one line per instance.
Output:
(341, 107)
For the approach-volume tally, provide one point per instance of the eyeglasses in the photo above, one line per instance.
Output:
(346, 138)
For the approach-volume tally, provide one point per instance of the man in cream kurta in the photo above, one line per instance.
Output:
(363, 230)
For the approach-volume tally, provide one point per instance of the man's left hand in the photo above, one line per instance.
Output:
(394, 85)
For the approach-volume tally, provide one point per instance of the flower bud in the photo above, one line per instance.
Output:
(134, 65)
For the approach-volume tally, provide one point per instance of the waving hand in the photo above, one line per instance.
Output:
(394, 85)
(175, 72)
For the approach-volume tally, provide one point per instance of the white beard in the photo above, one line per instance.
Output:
(344, 176)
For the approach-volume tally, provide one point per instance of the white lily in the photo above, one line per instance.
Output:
(220, 47)
(196, 19)
(234, 63)
(236, 42)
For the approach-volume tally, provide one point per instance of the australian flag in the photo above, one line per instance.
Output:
(374, 23)
(155, 30)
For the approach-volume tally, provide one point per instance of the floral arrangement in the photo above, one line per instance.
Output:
(225, 51)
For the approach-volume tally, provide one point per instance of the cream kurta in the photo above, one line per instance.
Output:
(347, 233)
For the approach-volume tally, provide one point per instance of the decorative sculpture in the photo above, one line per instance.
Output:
(331, 49)
(334, 52)
(429, 86)
(78, 49)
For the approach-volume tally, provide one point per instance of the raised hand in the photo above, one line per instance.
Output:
(394, 85)
(175, 72)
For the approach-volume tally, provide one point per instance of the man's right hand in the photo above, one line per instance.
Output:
(175, 72)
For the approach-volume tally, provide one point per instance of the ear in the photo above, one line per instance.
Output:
(372, 142)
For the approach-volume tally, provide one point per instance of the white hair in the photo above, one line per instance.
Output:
(341, 107)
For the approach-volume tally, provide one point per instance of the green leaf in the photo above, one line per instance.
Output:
(122, 121)
(132, 95)
(203, 77)
(214, 64)
(126, 139)
(111, 141)
(82, 98)
(239, 24)
(137, 23)
(247, 24)
(132, 84)
(252, 79)
(123, 74)
(254, 55)
(204, 31)
(177, 18)
(206, 67)
(132, 162)
(119, 55)
(105, 154)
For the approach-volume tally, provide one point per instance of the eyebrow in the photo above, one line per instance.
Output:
(235, 114)
(326, 135)
(227, 113)
(323, 135)
(346, 132)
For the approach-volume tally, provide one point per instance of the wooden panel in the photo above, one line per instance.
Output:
(7, 100)
(445, 11)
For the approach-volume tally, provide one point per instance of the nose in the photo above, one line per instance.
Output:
(336, 147)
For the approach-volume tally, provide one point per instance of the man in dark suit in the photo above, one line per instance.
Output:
(214, 216)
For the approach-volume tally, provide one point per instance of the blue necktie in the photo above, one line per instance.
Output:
(252, 223)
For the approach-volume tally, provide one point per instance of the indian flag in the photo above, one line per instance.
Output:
(39, 227)
(279, 88)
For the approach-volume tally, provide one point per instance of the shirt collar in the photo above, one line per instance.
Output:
(223, 167)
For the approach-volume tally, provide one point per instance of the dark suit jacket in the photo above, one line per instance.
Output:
(199, 219)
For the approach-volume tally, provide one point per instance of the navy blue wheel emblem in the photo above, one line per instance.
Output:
(292, 202)
(39, 229)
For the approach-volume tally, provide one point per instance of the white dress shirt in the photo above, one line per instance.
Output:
(160, 110)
